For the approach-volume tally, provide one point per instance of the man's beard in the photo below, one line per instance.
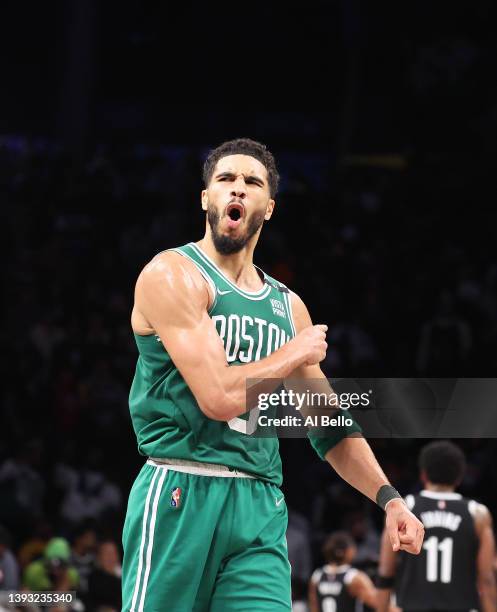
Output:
(226, 244)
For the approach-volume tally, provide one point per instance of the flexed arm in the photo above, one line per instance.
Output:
(172, 297)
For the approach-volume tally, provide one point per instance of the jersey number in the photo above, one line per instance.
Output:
(328, 604)
(245, 426)
(432, 547)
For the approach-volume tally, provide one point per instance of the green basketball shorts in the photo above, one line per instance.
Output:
(213, 541)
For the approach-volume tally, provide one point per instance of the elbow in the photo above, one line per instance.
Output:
(217, 407)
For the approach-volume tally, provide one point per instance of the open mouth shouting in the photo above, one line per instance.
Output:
(235, 213)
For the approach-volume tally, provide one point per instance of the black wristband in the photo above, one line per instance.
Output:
(385, 494)
(384, 582)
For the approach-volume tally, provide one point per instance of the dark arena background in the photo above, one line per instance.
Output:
(383, 122)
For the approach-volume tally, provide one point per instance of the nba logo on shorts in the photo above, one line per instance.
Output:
(175, 497)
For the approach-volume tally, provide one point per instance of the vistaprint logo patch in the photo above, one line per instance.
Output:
(278, 308)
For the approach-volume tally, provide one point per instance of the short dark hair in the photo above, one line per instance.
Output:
(336, 545)
(443, 462)
(83, 528)
(243, 146)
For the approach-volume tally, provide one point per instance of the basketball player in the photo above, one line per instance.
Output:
(337, 586)
(454, 570)
(205, 525)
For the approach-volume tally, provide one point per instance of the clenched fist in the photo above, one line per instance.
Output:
(312, 342)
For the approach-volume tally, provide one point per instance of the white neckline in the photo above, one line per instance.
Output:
(252, 294)
(440, 494)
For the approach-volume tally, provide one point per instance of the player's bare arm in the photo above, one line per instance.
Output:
(312, 595)
(362, 588)
(354, 461)
(485, 559)
(172, 300)
(386, 572)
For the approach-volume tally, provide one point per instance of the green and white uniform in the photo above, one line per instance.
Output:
(218, 544)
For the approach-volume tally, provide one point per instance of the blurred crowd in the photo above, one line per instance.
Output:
(87, 566)
(394, 254)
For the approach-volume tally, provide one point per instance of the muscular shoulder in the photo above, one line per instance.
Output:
(301, 316)
(171, 273)
(172, 270)
(170, 286)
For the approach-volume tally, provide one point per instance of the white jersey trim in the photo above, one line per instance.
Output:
(350, 572)
(350, 575)
(473, 506)
(410, 501)
(250, 295)
(209, 280)
(316, 575)
(440, 495)
(142, 543)
(151, 532)
(288, 301)
(196, 467)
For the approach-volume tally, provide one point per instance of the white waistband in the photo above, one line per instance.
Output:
(197, 467)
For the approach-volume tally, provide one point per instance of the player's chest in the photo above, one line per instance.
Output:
(251, 330)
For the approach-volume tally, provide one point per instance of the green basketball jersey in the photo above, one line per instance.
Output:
(166, 417)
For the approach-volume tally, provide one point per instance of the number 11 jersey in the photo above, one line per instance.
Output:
(443, 575)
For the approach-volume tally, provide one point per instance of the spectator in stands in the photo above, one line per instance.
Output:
(104, 583)
(9, 569)
(445, 340)
(367, 539)
(34, 547)
(83, 548)
(89, 495)
(53, 572)
(299, 555)
(299, 552)
(22, 488)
